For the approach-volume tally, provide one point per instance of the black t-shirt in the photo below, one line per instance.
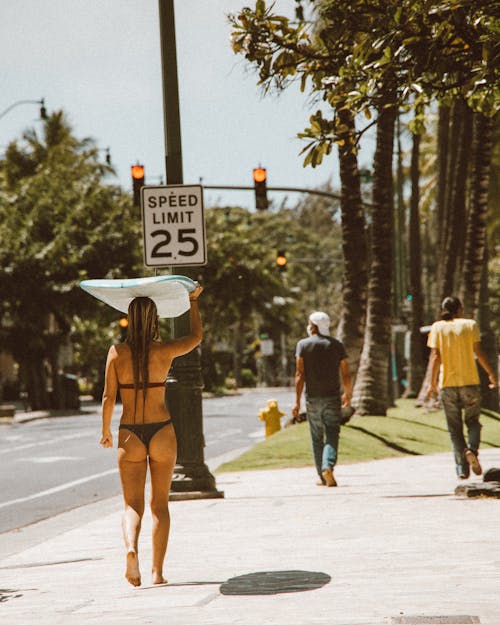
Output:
(322, 356)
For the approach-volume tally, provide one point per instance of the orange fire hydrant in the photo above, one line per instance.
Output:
(271, 416)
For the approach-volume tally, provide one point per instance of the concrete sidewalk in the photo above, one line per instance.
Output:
(392, 544)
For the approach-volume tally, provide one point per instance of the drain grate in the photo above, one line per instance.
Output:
(456, 619)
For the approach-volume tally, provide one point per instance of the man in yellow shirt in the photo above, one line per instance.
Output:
(454, 342)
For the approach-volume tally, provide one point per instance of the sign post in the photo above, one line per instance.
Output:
(191, 475)
(173, 225)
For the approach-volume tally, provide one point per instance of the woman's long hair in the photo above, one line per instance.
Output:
(450, 307)
(142, 329)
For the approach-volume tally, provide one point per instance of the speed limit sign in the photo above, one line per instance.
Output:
(173, 225)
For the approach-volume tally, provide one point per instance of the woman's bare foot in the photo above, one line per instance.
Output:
(158, 578)
(132, 572)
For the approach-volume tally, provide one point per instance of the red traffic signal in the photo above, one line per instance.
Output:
(138, 181)
(260, 186)
(137, 172)
(259, 174)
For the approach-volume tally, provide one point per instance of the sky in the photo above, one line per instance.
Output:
(99, 61)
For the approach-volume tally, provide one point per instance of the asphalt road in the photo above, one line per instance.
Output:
(51, 465)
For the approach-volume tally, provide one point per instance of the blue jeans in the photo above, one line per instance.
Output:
(323, 416)
(454, 400)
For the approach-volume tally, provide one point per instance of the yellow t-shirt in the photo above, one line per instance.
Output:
(455, 341)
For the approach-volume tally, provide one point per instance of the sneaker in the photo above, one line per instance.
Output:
(471, 458)
(328, 477)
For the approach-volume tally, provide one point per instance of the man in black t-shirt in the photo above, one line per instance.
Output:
(319, 360)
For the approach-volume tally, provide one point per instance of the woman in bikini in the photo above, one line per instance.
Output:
(138, 368)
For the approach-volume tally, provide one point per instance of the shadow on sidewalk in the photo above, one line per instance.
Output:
(263, 583)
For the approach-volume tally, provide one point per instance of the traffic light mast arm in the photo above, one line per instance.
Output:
(334, 196)
(314, 260)
(295, 189)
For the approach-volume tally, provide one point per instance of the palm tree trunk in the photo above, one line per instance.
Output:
(489, 397)
(371, 390)
(400, 286)
(416, 359)
(443, 157)
(36, 383)
(478, 209)
(354, 247)
(238, 350)
(455, 212)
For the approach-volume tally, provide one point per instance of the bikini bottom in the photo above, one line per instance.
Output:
(145, 431)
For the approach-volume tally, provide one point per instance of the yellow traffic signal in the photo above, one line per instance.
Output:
(281, 260)
(123, 323)
(260, 186)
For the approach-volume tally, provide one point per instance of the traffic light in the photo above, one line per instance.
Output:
(260, 186)
(43, 110)
(281, 260)
(123, 323)
(137, 182)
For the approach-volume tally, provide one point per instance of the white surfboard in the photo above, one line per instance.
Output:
(169, 293)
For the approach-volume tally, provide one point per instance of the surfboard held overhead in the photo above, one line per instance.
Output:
(170, 293)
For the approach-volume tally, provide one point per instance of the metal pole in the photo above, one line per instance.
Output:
(43, 112)
(192, 478)
(333, 196)
(171, 114)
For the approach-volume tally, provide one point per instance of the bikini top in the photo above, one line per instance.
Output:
(150, 385)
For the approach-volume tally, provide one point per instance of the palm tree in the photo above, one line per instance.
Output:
(354, 247)
(416, 356)
(454, 218)
(371, 389)
(478, 210)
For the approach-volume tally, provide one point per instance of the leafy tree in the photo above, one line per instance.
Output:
(283, 51)
(376, 56)
(245, 292)
(59, 224)
(323, 57)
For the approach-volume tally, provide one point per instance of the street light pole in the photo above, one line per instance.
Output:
(41, 102)
(192, 478)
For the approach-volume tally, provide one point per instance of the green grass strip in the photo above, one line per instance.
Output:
(406, 430)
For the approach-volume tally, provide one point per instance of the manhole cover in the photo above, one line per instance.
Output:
(274, 582)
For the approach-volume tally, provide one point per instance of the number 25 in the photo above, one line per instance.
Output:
(166, 237)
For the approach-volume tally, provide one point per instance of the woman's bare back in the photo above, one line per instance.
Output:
(153, 408)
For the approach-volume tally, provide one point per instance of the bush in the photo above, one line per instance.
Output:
(248, 378)
(230, 384)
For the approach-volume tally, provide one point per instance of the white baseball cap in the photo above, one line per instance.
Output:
(322, 321)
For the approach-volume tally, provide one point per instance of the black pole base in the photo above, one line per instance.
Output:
(193, 481)
(196, 495)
